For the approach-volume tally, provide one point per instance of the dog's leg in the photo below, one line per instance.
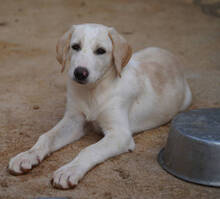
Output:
(117, 140)
(69, 129)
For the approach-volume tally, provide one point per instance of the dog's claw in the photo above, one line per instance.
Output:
(23, 163)
(67, 177)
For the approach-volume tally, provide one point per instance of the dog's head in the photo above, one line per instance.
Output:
(91, 50)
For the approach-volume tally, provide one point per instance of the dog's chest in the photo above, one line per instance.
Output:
(93, 106)
(92, 103)
(91, 111)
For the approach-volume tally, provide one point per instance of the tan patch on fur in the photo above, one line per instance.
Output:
(126, 59)
(121, 50)
(63, 47)
(158, 74)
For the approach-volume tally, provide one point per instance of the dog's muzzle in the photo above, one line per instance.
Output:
(80, 74)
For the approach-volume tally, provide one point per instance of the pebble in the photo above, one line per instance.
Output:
(36, 107)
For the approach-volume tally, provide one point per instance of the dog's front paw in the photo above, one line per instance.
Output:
(67, 177)
(23, 163)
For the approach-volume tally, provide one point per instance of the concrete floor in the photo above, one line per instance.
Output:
(29, 76)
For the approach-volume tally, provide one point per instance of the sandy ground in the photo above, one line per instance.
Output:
(30, 76)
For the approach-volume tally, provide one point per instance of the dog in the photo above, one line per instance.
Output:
(118, 92)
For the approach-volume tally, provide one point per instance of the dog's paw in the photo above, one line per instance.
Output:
(67, 177)
(23, 163)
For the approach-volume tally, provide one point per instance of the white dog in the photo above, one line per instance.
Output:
(120, 92)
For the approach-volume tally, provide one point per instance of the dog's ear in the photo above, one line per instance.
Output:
(63, 47)
(121, 50)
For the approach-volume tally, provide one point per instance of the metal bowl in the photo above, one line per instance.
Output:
(192, 152)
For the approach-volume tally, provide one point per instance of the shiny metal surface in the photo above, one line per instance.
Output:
(192, 152)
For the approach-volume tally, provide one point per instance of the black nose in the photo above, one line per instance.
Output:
(81, 74)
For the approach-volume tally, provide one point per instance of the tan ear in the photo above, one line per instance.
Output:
(121, 50)
(63, 46)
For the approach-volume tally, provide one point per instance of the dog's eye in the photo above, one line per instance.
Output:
(100, 51)
(76, 47)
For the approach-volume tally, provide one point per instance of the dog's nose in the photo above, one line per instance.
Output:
(81, 74)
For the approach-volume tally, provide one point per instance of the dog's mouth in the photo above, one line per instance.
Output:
(80, 81)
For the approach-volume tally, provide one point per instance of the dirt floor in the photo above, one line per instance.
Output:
(32, 90)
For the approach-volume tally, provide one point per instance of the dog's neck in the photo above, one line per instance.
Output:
(109, 76)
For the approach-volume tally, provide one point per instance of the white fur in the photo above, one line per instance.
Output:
(121, 106)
